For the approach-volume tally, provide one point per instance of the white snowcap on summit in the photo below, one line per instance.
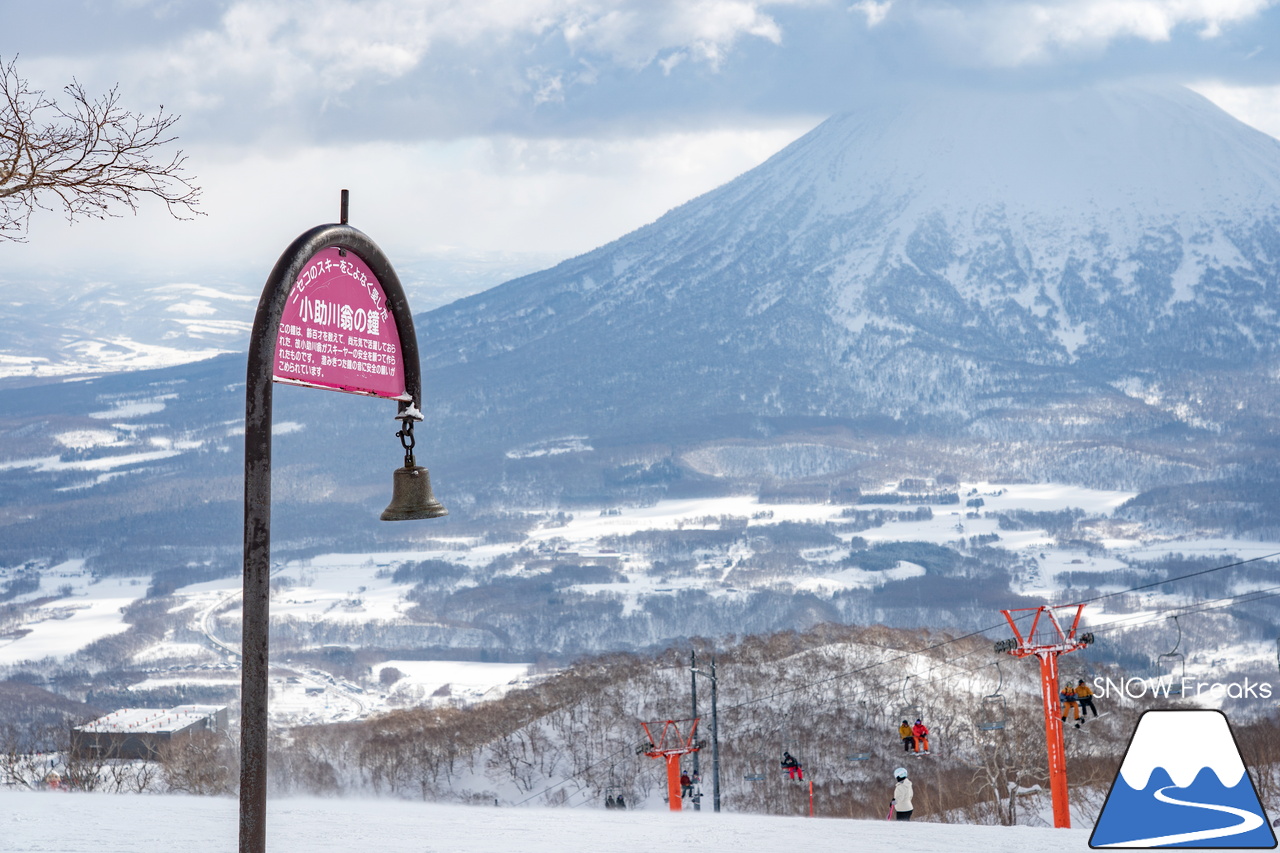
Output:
(1183, 743)
(1106, 147)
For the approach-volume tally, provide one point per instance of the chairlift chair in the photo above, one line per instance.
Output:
(1173, 659)
(859, 750)
(910, 708)
(756, 774)
(860, 742)
(1278, 662)
(995, 710)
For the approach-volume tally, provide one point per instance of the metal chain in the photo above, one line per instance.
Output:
(407, 441)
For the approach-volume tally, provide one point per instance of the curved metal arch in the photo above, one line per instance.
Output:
(257, 487)
(279, 284)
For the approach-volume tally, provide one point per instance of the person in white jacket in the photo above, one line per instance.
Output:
(902, 795)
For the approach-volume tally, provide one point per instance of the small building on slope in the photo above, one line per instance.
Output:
(133, 733)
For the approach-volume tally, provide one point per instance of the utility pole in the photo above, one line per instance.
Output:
(693, 689)
(715, 735)
(715, 743)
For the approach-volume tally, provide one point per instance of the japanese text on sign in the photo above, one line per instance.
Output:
(336, 331)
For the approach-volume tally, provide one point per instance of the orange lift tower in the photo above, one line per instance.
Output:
(1047, 639)
(670, 745)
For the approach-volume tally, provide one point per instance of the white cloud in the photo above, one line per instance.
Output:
(636, 32)
(559, 196)
(282, 50)
(1258, 106)
(875, 12)
(1009, 34)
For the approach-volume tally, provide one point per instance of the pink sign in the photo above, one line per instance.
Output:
(336, 331)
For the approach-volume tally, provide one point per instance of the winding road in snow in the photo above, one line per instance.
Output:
(1249, 821)
(314, 677)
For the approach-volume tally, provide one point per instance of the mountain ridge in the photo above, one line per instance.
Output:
(783, 333)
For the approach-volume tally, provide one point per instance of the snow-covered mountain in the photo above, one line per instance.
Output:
(78, 324)
(990, 266)
(53, 329)
(1074, 286)
(1183, 743)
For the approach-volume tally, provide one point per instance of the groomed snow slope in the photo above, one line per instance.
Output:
(103, 823)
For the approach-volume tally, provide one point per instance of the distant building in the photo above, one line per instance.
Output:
(132, 733)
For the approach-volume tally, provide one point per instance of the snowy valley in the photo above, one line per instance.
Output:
(821, 425)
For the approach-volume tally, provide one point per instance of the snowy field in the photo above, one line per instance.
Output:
(89, 612)
(345, 588)
(104, 823)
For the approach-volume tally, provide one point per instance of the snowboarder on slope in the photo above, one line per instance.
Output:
(908, 739)
(1085, 697)
(789, 764)
(901, 801)
(921, 734)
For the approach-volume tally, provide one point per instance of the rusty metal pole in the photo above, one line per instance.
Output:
(693, 689)
(715, 742)
(254, 656)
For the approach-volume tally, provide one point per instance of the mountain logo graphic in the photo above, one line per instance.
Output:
(1183, 784)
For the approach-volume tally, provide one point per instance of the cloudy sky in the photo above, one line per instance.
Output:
(544, 127)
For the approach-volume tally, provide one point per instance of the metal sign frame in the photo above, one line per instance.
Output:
(257, 487)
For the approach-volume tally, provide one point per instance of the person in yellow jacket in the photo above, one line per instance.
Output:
(908, 739)
(1085, 697)
(1070, 703)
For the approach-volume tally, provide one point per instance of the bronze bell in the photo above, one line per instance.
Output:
(411, 496)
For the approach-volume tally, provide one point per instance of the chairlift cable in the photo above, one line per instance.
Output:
(983, 631)
(1194, 608)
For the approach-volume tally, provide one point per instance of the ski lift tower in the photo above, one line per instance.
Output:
(670, 745)
(1045, 640)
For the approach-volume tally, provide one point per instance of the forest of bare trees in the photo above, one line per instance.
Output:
(832, 696)
(829, 696)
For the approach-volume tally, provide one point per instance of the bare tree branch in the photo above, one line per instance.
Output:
(87, 156)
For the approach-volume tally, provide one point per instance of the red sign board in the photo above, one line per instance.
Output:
(336, 331)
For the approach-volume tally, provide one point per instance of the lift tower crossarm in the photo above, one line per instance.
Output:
(1046, 640)
(671, 746)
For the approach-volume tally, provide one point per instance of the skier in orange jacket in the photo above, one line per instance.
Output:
(921, 733)
(1070, 704)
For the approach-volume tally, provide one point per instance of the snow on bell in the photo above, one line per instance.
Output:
(411, 496)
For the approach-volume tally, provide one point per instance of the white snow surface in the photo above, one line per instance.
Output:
(66, 625)
(1183, 743)
(468, 679)
(48, 822)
